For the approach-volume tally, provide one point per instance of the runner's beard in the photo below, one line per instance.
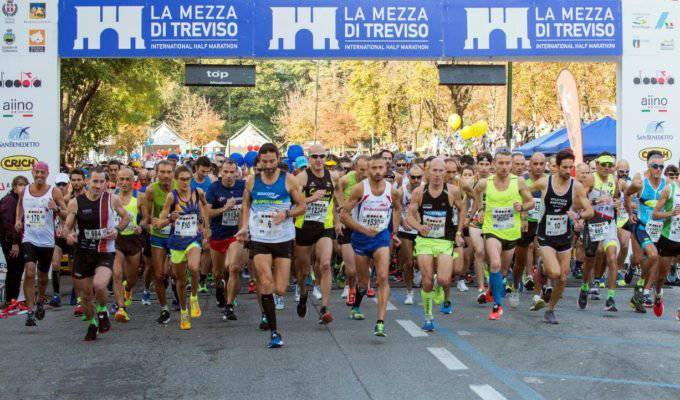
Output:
(268, 171)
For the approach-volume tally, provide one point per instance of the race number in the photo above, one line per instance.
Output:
(316, 211)
(597, 231)
(503, 218)
(556, 225)
(231, 216)
(95, 234)
(437, 225)
(186, 225)
(653, 229)
(36, 217)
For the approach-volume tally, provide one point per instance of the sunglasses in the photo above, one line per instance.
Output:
(623, 171)
(401, 164)
(606, 165)
(317, 156)
(672, 176)
(656, 166)
(415, 177)
(184, 179)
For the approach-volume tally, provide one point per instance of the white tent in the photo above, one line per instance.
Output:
(249, 135)
(212, 147)
(165, 137)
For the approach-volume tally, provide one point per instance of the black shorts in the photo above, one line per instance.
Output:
(667, 247)
(277, 250)
(506, 245)
(559, 247)
(129, 245)
(63, 245)
(407, 236)
(86, 262)
(42, 256)
(528, 236)
(146, 243)
(345, 237)
(309, 236)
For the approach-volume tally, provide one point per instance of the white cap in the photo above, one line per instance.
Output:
(149, 164)
(61, 178)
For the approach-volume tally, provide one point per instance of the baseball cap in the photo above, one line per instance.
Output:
(136, 164)
(61, 178)
(301, 162)
(173, 156)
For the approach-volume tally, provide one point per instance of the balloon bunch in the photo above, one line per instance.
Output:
(476, 130)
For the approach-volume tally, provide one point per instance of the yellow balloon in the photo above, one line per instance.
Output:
(455, 121)
(467, 133)
(482, 128)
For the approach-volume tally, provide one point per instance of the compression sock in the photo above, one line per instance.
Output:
(55, 281)
(427, 303)
(269, 310)
(497, 287)
(360, 293)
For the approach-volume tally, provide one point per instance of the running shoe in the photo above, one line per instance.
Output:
(78, 310)
(637, 302)
(379, 330)
(146, 298)
(195, 307)
(276, 341)
(340, 281)
(219, 297)
(513, 299)
(91, 334)
(428, 326)
(496, 312)
(630, 273)
(103, 321)
(264, 323)
(121, 315)
(351, 297)
(370, 292)
(30, 319)
(537, 303)
(620, 282)
(345, 292)
(600, 283)
(302, 306)
(229, 313)
(128, 296)
(297, 293)
(481, 298)
(203, 287)
(610, 305)
(55, 301)
(594, 293)
(529, 283)
(648, 300)
(40, 310)
(462, 286)
(164, 318)
(488, 296)
(356, 314)
(438, 295)
(549, 317)
(509, 288)
(658, 306)
(446, 307)
(252, 288)
(278, 302)
(547, 293)
(316, 292)
(245, 274)
(325, 316)
(409, 297)
(582, 299)
(184, 320)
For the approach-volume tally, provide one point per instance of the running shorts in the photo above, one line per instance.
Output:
(667, 247)
(159, 242)
(528, 236)
(506, 245)
(611, 238)
(365, 245)
(642, 236)
(41, 256)
(433, 247)
(309, 236)
(86, 262)
(558, 246)
(407, 236)
(345, 237)
(276, 250)
(222, 245)
(63, 245)
(129, 245)
(180, 256)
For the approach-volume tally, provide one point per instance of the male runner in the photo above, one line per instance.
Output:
(60, 246)
(667, 209)
(37, 207)
(372, 206)
(483, 170)
(201, 179)
(267, 223)
(406, 234)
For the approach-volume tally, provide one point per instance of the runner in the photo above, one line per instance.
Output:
(37, 208)
(368, 215)
(201, 179)
(483, 170)
(183, 211)
(316, 230)
(431, 212)
(61, 248)
(565, 203)
(93, 212)
(506, 197)
(267, 223)
(406, 234)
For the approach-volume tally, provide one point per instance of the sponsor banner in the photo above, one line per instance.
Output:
(518, 28)
(348, 29)
(155, 28)
(26, 26)
(219, 75)
(649, 118)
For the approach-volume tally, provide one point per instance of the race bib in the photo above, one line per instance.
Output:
(316, 211)
(437, 225)
(95, 234)
(621, 215)
(264, 224)
(653, 229)
(535, 213)
(374, 220)
(675, 229)
(130, 227)
(186, 225)
(597, 231)
(166, 230)
(231, 216)
(36, 217)
(556, 225)
(503, 218)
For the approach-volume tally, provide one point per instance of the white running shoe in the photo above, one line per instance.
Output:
(462, 287)
(297, 293)
(317, 293)
(513, 299)
(345, 292)
(409, 297)
(278, 302)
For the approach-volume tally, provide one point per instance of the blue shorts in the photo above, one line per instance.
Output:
(159, 242)
(642, 236)
(365, 245)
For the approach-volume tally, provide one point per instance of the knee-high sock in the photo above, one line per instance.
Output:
(497, 289)
(269, 310)
(427, 303)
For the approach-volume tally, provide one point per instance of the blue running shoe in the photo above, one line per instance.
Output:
(113, 308)
(446, 308)
(55, 301)
(146, 298)
(356, 314)
(428, 326)
(379, 330)
(276, 341)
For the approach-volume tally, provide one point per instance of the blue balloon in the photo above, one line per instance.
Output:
(295, 151)
(250, 158)
(237, 158)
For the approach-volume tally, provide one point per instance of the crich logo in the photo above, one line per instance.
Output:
(664, 22)
(651, 103)
(481, 22)
(37, 10)
(10, 8)
(16, 108)
(667, 153)
(662, 77)
(18, 163)
(92, 21)
(288, 21)
(24, 80)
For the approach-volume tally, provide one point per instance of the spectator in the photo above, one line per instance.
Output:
(10, 239)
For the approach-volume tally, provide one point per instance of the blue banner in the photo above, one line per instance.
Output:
(518, 28)
(384, 29)
(155, 28)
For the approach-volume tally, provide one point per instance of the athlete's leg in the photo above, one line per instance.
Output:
(218, 262)
(158, 259)
(348, 256)
(84, 288)
(324, 251)
(303, 257)
(29, 284)
(118, 267)
(426, 266)
(363, 264)
(237, 257)
(100, 284)
(493, 252)
(180, 272)
(57, 254)
(132, 271)
(381, 262)
(405, 256)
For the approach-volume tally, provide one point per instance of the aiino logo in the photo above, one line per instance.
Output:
(481, 22)
(652, 103)
(288, 21)
(24, 80)
(660, 78)
(17, 108)
(664, 21)
(92, 21)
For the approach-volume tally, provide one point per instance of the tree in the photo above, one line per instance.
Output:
(130, 137)
(194, 118)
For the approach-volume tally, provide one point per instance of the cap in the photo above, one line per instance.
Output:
(61, 178)
(135, 164)
(301, 162)
(41, 165)
(605, 159)
(173, 156)
(149, 164)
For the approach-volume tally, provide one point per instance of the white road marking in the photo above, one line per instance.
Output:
(410, 327)
(486, 392)
(449, 360)
(390, 306)
(463, 333)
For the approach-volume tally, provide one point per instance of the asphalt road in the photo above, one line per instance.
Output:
(590, 355)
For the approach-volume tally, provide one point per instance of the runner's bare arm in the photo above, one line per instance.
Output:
(540, 184)
(296, 194)
(59, 200)
(460, 204)
(663, 198)
(477, 198)
(581, 202)
(412, 216)
(69, 226)
(19, 221)
(245, 205)
(527, 198)
(346, 212)
(164, 219)
(633, 189)
(120, 210)
(396, 209)
(148, 204)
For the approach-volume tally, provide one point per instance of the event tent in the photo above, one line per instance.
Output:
(598, 136)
